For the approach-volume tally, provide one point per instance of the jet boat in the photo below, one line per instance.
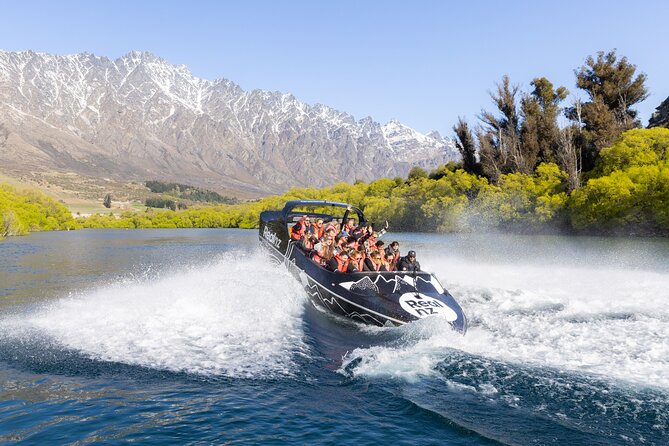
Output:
(378, 298)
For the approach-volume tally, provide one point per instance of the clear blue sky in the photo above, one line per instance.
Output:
(424, 63)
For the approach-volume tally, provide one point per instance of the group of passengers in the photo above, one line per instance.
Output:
(351, 247)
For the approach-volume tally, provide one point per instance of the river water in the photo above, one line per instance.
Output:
(193, 336)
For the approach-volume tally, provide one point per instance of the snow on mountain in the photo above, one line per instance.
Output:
(139, 117)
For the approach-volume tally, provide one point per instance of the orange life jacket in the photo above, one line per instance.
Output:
(342, 266)
(297, 231)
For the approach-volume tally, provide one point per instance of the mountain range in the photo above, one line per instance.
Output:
(140, 118)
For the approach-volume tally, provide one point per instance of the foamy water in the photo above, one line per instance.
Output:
(606, 320)
(239, 316)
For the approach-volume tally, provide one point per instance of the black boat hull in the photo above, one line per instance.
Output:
(376, 298)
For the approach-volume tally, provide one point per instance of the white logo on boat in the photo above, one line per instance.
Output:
(422, 305)
(271, 237)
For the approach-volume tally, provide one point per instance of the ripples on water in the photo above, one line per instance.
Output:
(201, 345)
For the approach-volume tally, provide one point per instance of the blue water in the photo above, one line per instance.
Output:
(192, 336)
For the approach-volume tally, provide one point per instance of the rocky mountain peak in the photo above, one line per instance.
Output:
(139, 117)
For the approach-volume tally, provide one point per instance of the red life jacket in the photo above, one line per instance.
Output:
(296, 235)
(297, 231)
(342, 266)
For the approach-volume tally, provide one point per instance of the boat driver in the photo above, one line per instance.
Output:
(409, 263)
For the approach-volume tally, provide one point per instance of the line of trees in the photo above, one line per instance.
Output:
(523, 130)
(188, 192)
(626, 193)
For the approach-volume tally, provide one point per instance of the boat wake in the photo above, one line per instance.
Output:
(239, 316)
(604, 321)
(571, 346)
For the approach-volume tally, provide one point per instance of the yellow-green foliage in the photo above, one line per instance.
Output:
(628, 190)
(525, 200)
(632, 193)
(443, 204)
(24, 211)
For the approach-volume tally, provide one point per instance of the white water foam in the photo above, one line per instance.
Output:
(239, 316)
(604, 320)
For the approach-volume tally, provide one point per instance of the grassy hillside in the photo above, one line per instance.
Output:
(29, 210)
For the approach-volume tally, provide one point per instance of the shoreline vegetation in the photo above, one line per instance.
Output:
(521, 172)
(627, 193)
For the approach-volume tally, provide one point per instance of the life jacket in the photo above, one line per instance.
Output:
(342, 266)
(319, 231)
(297, 231)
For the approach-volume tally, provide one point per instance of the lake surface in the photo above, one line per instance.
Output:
(192, 336)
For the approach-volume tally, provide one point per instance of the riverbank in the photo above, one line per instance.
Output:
(626, 194)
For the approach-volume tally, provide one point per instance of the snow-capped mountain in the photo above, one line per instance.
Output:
(139, 117)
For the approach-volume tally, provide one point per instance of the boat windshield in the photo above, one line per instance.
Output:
(329, 212)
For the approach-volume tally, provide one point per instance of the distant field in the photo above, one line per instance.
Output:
(82, 195)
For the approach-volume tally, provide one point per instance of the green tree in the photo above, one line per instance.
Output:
(416, 173)
(499, 138)
(540, 133)
(107, 201)
(464, 140)
(660, 117)
(613, 88)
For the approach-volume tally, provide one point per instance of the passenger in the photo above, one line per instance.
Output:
(297, 232)
(360, 232)
(324, 251)
(374, 262)
(355, 262)
(394, 250)
(388, 262)
(332, 226)
(339, 262)
(409, 263)
(308, 228)
(330, 232)
(370, 242)
(349, 227)
(379, 234)
(319, 229)
(378, 246)
(341, 242)
(308, 243)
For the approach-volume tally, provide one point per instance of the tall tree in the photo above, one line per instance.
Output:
(540, 133)
(660, 117)
(613, 88)
(464, 140)
(499, 137)
(568, 156)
